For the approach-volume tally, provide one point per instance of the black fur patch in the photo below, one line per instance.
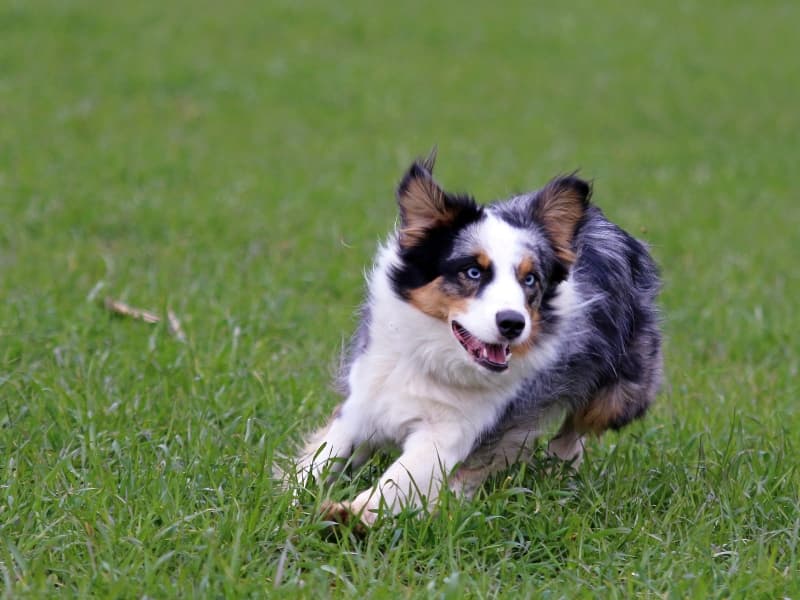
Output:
(457, 282)
(427, 260)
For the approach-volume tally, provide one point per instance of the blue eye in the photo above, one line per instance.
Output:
(474, 273)
(529, 280)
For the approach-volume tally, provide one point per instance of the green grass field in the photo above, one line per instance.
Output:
(236, 164)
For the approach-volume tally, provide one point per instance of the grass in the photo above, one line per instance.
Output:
(236, 165)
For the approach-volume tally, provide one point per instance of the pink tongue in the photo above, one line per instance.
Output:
(496, 353)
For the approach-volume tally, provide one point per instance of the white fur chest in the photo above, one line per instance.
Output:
(414, 373)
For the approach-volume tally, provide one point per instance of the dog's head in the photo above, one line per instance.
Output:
(485, 272)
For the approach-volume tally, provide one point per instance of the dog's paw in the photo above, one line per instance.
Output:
(339, 512)
(568, 448)
(346, 513)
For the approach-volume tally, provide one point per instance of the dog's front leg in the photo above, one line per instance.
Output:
(327, 449)
(413, 480)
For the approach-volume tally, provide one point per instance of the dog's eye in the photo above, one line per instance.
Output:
(473, 273)
(529, 280)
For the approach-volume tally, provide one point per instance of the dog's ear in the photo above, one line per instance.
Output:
(558, 207)
(424, 205)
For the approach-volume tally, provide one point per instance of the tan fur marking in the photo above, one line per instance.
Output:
(525, 266)
(565, 254)
(604, 409)
(424, 207)
(431, 300)
(483, 259)
(560, 209)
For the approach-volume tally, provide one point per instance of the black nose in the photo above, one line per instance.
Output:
(510, 323)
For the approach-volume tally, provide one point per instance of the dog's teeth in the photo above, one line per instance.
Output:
(484, 352)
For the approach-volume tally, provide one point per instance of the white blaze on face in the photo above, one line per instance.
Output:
(505, 246)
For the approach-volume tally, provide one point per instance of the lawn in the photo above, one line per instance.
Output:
(235, 164)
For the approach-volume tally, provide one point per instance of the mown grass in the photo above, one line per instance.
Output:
(236, 163)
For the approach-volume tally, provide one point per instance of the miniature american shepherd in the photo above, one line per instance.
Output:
(481, 325)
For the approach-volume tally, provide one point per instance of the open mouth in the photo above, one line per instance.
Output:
(492, 356)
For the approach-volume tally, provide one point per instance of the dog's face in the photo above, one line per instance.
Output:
(486, 273)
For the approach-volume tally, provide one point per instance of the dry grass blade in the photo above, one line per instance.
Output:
(122, 309)
(175, 326)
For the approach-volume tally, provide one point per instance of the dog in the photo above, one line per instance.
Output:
(482, 324)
